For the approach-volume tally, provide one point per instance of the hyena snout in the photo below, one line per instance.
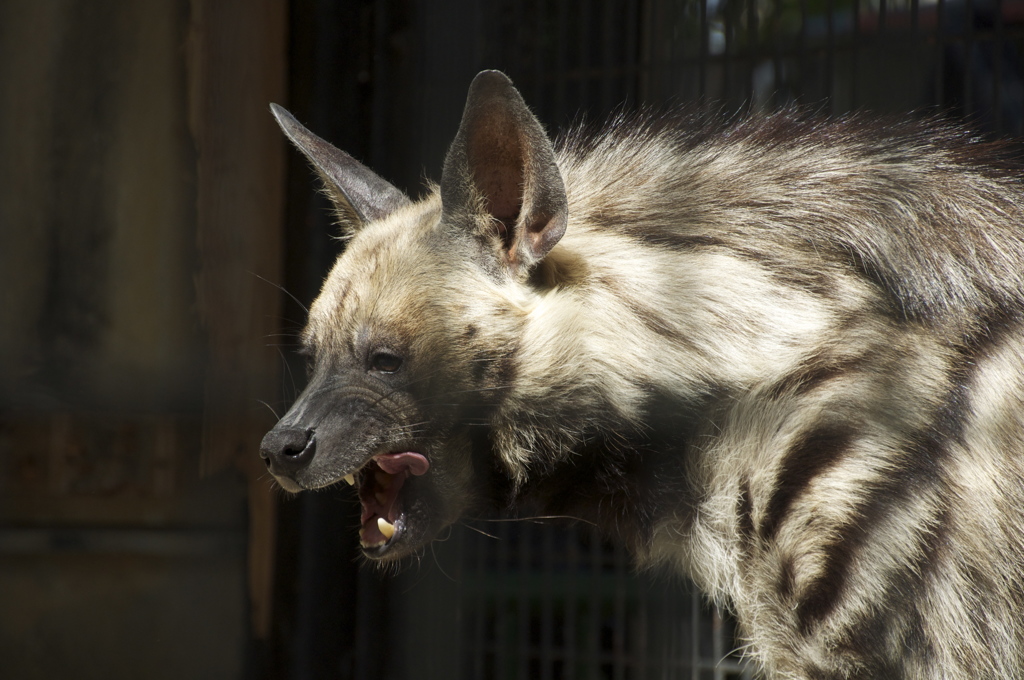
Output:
(287, 450)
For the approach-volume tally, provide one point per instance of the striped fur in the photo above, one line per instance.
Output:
(785, 355)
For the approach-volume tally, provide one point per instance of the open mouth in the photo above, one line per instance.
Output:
(380, 482)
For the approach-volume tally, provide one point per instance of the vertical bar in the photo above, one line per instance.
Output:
(479, 549)
(671, 653)
(798, 82)
(636, 28)
(998, 45)
(776, 49)
(854, 54)
(562, 46)
(608, 68)
(917, 39)
(673, 665)
(717, 644)
(679, 619)
(595, 605)
(541, 65)
(519, 30)
(695, 660)
(641, 648)
(647, 65)
(702, 60)
(969, 42)
(502, 600)
(547, 633)
(380, 102)
(940, 57)
(584, 69)
(572, 569)
(523, 602)
(372, 604)
(458, 552)
(621, 621)
(754, 39)
(830, 54)
(728, 28)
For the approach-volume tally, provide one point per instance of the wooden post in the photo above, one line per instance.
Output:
(236, 67)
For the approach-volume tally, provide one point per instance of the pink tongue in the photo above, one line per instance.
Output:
(393, 463)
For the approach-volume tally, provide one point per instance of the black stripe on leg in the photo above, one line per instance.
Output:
(813, 453)
(867, 637)
(822, 595)
(919, 473)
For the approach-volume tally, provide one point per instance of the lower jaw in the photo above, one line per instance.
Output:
(378, 533)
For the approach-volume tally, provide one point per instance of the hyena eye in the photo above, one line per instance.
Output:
(385, 362)
(307, 355)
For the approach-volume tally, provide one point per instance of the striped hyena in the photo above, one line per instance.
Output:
(784, 355)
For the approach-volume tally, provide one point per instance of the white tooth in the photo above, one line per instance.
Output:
(351, 479)
(386, 527)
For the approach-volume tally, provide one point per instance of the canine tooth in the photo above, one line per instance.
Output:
(351, 479)
(386, 527)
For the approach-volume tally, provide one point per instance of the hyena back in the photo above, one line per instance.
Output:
(783, 355)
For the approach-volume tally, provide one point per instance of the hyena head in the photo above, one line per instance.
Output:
(412, 338)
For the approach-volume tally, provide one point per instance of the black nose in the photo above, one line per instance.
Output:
(288, 449)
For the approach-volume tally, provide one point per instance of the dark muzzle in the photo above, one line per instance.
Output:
(288, 450)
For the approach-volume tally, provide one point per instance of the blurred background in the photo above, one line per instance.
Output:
(151, 220)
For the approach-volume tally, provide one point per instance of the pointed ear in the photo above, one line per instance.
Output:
(359, 194)
(502, 165)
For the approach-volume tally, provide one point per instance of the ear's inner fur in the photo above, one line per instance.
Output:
(496, 164)
(502, 155)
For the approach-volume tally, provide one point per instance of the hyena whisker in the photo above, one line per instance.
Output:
(290, 334)
(272, 485)
(283, 290)
(269, 408)
(443, 537)
(286, 369)
(293, 329)
(479, 531)
(291, 347)
(397, 390)
(416, 426)
(477, 390)
(456, 393)
(437, 562)
(383, 397)
(535, 519)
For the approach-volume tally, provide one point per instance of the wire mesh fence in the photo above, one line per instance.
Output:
(963, 58)
(550, 603)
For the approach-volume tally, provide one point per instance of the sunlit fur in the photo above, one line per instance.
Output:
(784, 355)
